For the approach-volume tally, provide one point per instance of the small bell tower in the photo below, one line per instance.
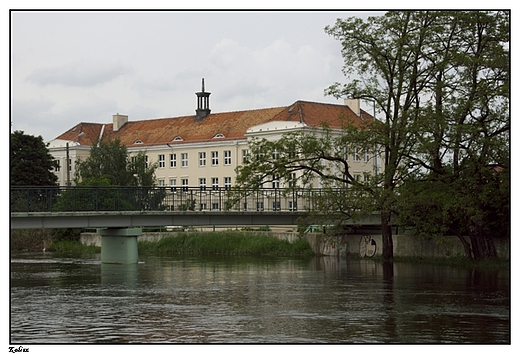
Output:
(202, 103)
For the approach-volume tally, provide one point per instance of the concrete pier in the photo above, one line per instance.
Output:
(119, 245)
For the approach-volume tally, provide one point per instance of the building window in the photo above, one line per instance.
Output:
(214, 158)
(203, 206)
(57, 166)
(293, 206)
(161, 161)
(276, 206)
(276, 154)
(292, 181)
(184, 183)
(260, 206)
(227, 157)
(184, 159)
(356, 154)
(214, 183)
(245, 154)
(202, 184)
(367, 155)
(202, 159)
(227, 183)
(173, 185)
(366, 177)
(173, 160)
(276, 182)
(146, 161)
(214, 206)
(161, 183)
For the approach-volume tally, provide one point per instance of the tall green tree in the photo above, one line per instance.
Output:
(31, 162)
(109, 163)
(441, 80)
(439, 83)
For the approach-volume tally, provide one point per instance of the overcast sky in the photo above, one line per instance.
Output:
(71, 67)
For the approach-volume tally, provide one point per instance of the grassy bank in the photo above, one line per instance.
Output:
(226, 243)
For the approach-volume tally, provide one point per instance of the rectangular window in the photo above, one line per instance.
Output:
(366, 177)
(161, 183)
(276, 182)
(202, 159)
(173, 185)
(203, 206)
(214, 206)
(227, 157)
(173, 160)
(184, 159)
(146, 161)
(184, 183)
(161, 161)
(292, 182)
(245, 154)
(214, 183)
(57, 166)
(214, 158)
(367, 155)
(356, 154)
(259, 206)
(293, 206)
(70, 165)
(276, 154)
(202, 184)
(227, 183)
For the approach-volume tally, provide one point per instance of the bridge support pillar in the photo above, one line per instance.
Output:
(119, 245)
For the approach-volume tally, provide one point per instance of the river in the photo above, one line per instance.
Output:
(211, 299)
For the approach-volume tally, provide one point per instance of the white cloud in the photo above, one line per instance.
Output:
(84, 74)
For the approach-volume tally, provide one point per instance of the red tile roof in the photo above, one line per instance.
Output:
(232, 125)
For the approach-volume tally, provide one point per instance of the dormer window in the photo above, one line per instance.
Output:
(138, 141)
(219, 135)
(177, 138)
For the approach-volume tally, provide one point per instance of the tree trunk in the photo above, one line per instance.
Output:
(466, 244)
(386, 230)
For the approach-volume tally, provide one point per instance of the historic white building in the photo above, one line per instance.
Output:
(204, 149)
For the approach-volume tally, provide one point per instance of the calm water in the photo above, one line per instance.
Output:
(253, 300)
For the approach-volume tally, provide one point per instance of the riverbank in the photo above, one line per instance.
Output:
(258, 244)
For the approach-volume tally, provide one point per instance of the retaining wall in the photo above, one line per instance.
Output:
(354, 244)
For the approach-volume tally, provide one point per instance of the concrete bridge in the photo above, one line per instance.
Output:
(119, 213)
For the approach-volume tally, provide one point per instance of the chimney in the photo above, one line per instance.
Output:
(354, 105)
(202, 104)
(119, 120)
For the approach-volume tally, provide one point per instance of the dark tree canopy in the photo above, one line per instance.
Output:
(31, 162)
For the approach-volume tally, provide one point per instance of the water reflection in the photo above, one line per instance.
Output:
(119, 274)
(254, 300)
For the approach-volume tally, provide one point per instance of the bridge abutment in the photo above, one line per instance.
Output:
(119, 245)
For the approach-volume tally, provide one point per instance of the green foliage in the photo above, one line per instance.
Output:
(109, 163)
(31, 162)
(226, 243)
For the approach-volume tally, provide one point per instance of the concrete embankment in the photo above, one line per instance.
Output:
(355, 244)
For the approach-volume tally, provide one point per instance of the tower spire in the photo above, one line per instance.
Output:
(202, 104)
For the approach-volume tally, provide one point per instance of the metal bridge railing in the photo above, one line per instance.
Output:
(49, 199)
